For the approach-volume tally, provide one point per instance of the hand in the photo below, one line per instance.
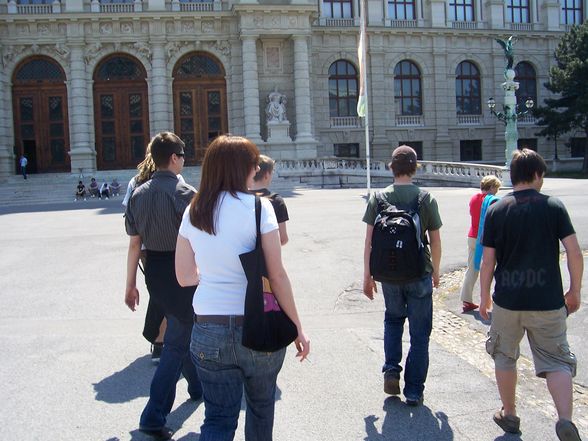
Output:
(302, 345)
(485, 307)
(132, 298)
(572, 301)
(435, 278)
(369, 287)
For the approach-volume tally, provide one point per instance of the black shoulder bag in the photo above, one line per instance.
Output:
(265, 326)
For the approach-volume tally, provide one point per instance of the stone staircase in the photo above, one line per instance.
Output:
(59, 188)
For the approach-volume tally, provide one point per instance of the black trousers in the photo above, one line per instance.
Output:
(167, 296)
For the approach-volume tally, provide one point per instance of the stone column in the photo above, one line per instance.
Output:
(6, 137)
(302, 90)
(251, 89)
(159, 104)
(83, 155)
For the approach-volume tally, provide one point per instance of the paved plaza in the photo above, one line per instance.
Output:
(75, 366)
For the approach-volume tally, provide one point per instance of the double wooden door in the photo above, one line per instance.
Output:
(200, 115)
(41, 126)
(122, 124)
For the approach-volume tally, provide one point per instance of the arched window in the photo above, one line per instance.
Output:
(40, 69)
(467, 89)
(527, 79)
(342, 89)
(197, 66)
(120, 68)
(407, 89)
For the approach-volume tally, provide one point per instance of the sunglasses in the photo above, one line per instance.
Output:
(181, 154)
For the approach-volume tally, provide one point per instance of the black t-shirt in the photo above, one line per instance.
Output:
(525, 228)
(81, 188)
(277, 202)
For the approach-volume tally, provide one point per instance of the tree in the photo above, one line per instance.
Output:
(569, 109)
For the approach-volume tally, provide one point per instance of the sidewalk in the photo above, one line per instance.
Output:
(77, 368)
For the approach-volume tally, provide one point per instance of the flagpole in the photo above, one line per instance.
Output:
(362, 103)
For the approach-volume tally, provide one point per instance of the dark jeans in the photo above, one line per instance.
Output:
(176, 302)
(413, 301)
(226, 368)
(175, 359)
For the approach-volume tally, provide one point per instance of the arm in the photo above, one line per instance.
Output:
(575, 269)
(486, 274)
(131, 292)
(283, 233)
(282, 288)
(369, 285)
(435, 242)
(186, 269)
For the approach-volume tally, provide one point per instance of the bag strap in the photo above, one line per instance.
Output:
(258, 219)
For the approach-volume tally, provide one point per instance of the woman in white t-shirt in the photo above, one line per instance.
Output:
(216, 228)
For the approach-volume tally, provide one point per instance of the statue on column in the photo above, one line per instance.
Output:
(507, 45)
(275, 110)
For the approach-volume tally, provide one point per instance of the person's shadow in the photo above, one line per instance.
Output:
(126, 385)
(405, 423)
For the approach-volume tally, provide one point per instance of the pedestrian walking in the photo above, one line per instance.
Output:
(152, 218)
(407, 268)
(23, 165)
(521, 240)
(218, 227)
(489, 185)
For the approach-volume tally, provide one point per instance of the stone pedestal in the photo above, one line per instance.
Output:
(278, 132)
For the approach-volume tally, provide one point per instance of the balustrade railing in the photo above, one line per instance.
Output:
(34, 9)
(409, 120)
(464, 24)
(521, 26)
(527, 120)
(402, 23)
(345, 121)
(338, 22)
(195, 6)
(469, 120)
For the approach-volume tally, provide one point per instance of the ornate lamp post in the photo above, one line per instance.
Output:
(510, 113)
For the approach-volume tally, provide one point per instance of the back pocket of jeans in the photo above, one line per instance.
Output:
(202, 353)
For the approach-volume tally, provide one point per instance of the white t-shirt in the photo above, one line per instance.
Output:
(222, 286)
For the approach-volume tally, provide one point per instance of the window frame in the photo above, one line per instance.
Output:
(400, 97)
(463, 6)
(330, 7)
(344, 78)
(515, 9)
(474, 100)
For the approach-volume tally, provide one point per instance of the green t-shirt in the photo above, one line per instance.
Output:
(405, 196)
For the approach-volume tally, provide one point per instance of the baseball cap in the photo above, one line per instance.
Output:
(404, 155)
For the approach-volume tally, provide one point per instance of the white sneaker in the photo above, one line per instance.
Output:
(106, 197)
(76, 199)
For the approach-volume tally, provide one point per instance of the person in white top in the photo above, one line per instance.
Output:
(219, 225)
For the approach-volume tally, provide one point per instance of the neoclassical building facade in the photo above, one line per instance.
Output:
(85, 84)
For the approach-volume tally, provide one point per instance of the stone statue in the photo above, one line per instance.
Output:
(276, 107)
(508, 50)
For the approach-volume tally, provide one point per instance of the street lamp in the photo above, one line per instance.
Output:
(510, 113)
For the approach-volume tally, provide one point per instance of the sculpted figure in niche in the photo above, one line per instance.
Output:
(276, 107)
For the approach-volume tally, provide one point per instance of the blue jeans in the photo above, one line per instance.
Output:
(225, 367)
(175, 359)
(414, 301)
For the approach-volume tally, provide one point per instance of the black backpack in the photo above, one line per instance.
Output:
(398, 252)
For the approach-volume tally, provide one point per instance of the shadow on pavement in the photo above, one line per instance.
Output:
(126, 385)
(111, 206)
(175, 420)
(404, 423)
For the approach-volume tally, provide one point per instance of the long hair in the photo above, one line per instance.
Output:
(146, 168)
(227, 164)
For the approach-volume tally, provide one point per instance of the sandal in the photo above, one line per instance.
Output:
(567, 431)
(508, 423)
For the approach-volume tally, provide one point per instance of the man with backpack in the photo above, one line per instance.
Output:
(402, 223)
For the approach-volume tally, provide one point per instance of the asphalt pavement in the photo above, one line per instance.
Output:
(75, 365)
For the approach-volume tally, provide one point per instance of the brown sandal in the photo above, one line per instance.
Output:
(508, 423)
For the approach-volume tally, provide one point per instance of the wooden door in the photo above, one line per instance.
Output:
(200, 111)
(122, 125)
(41, 125)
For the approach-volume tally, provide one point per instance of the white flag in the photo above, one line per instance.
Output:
(361, 55)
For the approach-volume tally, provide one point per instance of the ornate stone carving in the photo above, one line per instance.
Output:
(92, 52)
(275, 110)
(188, 27)
(143, 49)
(62, 50)
(106, 28)
(207, 26)
(43, 29)
(172, 48)
(258, 21)
(222, 46)
(23, 28)
(126, 28)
